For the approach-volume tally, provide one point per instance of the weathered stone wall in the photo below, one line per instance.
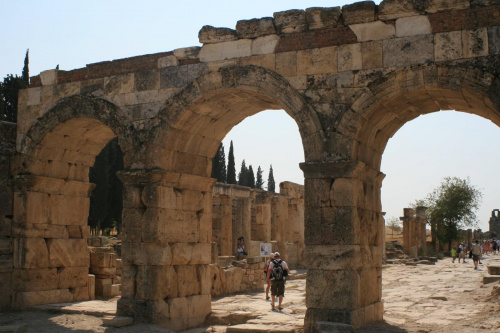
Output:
(241, 276)
(254, 214)
(350, 78)
(7, 148)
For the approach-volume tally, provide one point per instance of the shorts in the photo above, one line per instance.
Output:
(461, 255)
(475, 257)
(278, 288)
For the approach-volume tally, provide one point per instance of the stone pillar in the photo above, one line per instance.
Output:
(343, 243)
(50, 232)
(279, 218)
(166, 248)
(407, 229)
(469, 237)
(226, 240)
(7, 149)
(421, 221)
(242, 221)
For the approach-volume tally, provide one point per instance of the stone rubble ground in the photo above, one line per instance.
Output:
(446, 297)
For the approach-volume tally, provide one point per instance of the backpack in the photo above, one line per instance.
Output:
(277, 270)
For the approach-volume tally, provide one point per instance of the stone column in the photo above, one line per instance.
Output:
(242, 221)
(226, 226)
(279, 218)
(343, 243)
(50, 231)
(166, 248)
(408, 231)
(421, 220)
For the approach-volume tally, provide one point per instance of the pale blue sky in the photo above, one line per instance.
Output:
(75, 33)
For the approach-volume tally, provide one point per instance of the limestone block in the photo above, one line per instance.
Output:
(359, 12)
(68, 210)
(187, 282)
(181, 253)
(91, 286)
(448, 46)
(108, 271)
(264, 45)
(371, 55)
(286, 63)
(494, 40)
(34, 96)
(49, 77)
(333, 289)
(74, 231)
(393, 9)
(102, 259)
(168, 225)
(35, 279)
(146, 80)
(475, 43)
(370, 285)
(80, 294)
(187, 52)
(255, 28)
(227, 50)
(317, 61)
(5, 227)
(200, 254)
(435, 6)
(349, 57)
(24, 300)
(35, 204)
(167, 61)
(85, 231)
(320, 18)
(412, 26)
(233, 277)
(159, 197)
(111, 290)
(290, 21)
(131, 224)
(209, 34)
(407, 51)
(119, 84)
(157, 282)
(30, 253)
(191, 200)
(67, 252)
(132, 197)
(72, 277)
(99, 285)
(117, 321)
(146, 253)
(373, 31)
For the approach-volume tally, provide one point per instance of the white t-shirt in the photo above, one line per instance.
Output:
(283, 265)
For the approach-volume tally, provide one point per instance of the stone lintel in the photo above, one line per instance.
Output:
(166, 178)
(341, 169)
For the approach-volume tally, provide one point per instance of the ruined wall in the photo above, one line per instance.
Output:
(7, 148)
(495, 223)
(414, 230)
(260, 217)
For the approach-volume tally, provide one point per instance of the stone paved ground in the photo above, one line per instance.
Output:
(446, 297)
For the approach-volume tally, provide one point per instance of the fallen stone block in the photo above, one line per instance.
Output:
(490, 279)
(494, 270)
(110, 290)
(117, 321)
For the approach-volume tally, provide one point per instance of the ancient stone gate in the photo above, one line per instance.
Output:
(350, 77)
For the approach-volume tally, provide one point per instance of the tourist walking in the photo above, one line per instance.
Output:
(268, 283)
(276, 274)
(461, 253)
(454, 254)
(476, 253)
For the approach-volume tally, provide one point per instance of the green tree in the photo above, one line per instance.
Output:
(452, 206)
(250, 177)
(231, 167)
(26, 68)
(219, 165)
(271, 186)
(243, 175)
(9, 93)
(259, 183)
(106, 199)
(394, 224)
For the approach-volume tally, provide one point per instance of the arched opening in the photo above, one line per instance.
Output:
(388, 105)
(178, 196)
(52, 200)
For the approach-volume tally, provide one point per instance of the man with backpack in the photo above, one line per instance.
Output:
(278, 270)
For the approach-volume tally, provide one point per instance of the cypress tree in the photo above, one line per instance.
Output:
(250, 177)
(259, 183)
(219, 165)
(26, 68)
(243, 175)
(231, 167)
(271, 186)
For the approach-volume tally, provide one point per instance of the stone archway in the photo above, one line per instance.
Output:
(167, 223)
(51, 199)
